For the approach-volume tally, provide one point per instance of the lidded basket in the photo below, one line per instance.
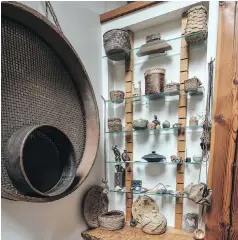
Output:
(117, 44)
(154, 80)
(192, 84)
(196, 28)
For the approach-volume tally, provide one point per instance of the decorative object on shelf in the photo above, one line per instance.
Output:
(192, 84)
(190, 222)
(198, 193)
(154, 82)
(154, 223)
(133, 222)
(154, 157)
(105, 183)
(197, 158)
(95, 204)
(193, 122)
(166, 124)
(199, 234)
(140, 124)
(175, 158)
(119, 176)
(196, 27)
(156, 121)
(112, 220)
(136, 92)
(151, 125)
(116, 153)
(160, 188)
(117, 96)
(188, 159)
(143, 205)
(179, 126)
(40, 160)
(136, 185)
(172, 86)
(125, 156)
(117, 44)
(205, 140)
(38, 86)
(114, 124)
(154, 44)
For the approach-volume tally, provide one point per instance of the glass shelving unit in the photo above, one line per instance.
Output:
(160, 163)
(146, 193)
(153, 130)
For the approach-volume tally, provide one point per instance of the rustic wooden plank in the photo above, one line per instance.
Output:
(184, 53)
(184, 65)
(129, 119)
(184, 43)
(181, 146)
(221, 174)
(183, 76)
(129, 195)
(178, 220)
(182, 153)
(179, 178)
(180, 167)
(182, 112)
(183, 100)
(129, 233)
(179, 208)
(129, 8)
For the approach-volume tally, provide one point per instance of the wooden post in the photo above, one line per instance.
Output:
(222, 217)
(182, 116)
(128, 120)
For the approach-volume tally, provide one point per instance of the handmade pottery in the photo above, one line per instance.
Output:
(154, 157)
(166, 124)
(197, 158)
(125, 156)
(151, 125)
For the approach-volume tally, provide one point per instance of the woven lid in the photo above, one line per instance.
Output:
(153, 37)
(154, 70)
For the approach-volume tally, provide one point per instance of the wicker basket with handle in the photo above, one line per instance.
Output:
(196, 28)
(192, 84)
(171, 86)
(112, 220)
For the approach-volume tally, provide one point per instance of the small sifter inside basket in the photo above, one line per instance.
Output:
(41, 160)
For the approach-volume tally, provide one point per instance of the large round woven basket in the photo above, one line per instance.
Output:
(117, 44)
(44, 82)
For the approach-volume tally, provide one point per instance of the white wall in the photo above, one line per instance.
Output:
(62, 219)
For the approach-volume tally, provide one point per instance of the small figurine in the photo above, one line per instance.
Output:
(133, 222)
(156, 121)
(125, 156)
(116, 153)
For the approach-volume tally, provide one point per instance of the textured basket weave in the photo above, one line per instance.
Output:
(112, 220)
(191, 84)
(117, 96)
(117, 44)
(95, 204)
(114, 124)
(196, 28)
(44, 83)
(171, 86)
(154, 80)
(154, 223)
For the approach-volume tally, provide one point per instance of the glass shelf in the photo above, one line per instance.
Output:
(154, 97)
(166, 163)
(167, 40)
(146, 193)
(153, 130)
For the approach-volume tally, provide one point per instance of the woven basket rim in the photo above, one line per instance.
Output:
(155, 70)
(118, 29)
(197, 8)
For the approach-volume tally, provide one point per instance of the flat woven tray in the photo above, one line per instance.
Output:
(44, 82)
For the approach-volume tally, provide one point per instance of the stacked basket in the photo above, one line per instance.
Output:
(196, 28)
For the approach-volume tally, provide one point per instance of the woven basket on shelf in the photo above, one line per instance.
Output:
(191, 84)
(117, 96)
(154, 80)
(114, 124)
(196, 28)
(112, 220)
(171, 87)
(117, 44)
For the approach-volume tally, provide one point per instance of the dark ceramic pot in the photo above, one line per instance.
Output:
(154, 157)
(40, 160)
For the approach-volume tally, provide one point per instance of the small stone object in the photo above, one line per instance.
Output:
(133, 222)
(166, 124)
(125, 156)
(188, 159)
(156, 121)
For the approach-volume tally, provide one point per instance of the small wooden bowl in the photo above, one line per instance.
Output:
(199, 234)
